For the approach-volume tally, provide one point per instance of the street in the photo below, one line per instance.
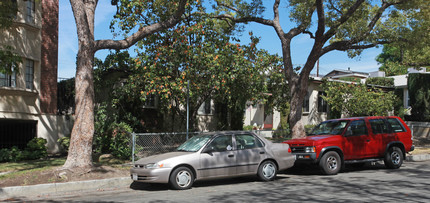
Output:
(371, 183)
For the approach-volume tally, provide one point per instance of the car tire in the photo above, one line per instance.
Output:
(181, 178)
(267, 171)
(393, 158)
(330, 163)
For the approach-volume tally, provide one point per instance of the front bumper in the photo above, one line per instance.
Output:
(306, 157)
(157, 175)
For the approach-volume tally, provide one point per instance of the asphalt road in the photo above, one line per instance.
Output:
(371, 183)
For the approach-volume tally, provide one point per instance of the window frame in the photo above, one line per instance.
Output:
(29, 74)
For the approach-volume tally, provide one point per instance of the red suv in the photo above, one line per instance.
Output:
(334, 143)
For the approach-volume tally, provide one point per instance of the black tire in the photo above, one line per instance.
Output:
(181, 178)
(267, 171)
(330, 163)
(393, 158)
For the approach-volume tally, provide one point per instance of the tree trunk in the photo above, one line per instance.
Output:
(296, 125)
(80, 150)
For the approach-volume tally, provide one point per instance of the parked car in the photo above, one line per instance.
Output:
(333, 143)
(215, 155)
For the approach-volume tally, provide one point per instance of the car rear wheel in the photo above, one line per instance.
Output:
(267, 171)
(181, 178)
(393, 158)
(330, 163)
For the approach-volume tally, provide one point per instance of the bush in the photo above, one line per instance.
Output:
(380, 81)
(36, 149)
(64, 143)
(247, 128)
(120, 145)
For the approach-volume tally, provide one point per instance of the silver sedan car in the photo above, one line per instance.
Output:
(215, 155)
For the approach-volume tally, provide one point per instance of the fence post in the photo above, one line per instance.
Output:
(133, 135)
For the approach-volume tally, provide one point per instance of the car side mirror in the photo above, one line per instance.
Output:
(208, 150)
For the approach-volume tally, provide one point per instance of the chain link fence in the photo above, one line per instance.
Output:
(147, 144)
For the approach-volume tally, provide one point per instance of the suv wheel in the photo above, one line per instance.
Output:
(393, 158)
(330, 163)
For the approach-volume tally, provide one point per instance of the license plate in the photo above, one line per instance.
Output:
(134, 176)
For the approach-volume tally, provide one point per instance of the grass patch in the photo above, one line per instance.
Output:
(31, 164)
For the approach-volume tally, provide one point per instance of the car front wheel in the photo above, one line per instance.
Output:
(181, 178)
(393, 158)
(330, 163)
(267, 171)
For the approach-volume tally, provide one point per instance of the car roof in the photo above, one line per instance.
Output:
(363, 117)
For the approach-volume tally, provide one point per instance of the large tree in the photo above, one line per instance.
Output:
(148, 18)
(413, 48)
(344, 25)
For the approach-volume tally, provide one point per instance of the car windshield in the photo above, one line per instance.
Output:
(195, 143)
(329, 128)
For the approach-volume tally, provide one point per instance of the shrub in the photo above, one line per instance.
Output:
(120, 145)
(247, 127)
(64, 143)
(380, 81)
(36, 149)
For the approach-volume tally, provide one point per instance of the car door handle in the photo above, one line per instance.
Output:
(230, 155)
(262, 152)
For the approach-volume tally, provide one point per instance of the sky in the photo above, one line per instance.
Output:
(68, 43)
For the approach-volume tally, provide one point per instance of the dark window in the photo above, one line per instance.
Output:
(396, 126)
(221, 143)
(29, 74)
(322, 104)
(247, 142)
(306, 103)
(8, 80)
(378, 126)
(357, 128)
(31, 10)
(17, 133)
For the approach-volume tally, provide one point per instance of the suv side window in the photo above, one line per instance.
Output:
(378, 126)
(396, 126)
(356, 128)
(247, 142)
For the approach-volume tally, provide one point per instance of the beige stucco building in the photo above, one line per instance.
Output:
(28, 95)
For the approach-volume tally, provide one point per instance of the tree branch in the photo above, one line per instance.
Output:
(142, 32)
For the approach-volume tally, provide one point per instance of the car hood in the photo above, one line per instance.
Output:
(161, 157)
(307, 141)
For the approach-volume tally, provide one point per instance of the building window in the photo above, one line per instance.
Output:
(31, 10)
(205, 108)
(8, 80)
(29, 74)
(322, 104)
(150, 101)
(306, 103)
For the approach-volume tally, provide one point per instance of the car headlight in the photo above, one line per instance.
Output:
(154, 165)
(309, 149)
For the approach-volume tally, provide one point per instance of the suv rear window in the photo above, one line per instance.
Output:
(379, 126)
(396, 126)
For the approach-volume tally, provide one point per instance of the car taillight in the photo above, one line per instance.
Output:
(289, 149)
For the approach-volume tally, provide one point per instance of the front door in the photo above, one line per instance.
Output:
(357, 141)
(220, 160)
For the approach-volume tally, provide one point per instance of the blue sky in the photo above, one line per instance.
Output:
(68, 43)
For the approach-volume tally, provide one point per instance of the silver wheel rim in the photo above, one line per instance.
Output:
(269, 170)
(395, 158)
(183, 179)
(332, 163)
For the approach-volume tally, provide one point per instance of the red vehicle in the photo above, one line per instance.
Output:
(334, 143)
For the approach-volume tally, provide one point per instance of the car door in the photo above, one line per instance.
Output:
(218, 158)
(250, 152)
(357, 141)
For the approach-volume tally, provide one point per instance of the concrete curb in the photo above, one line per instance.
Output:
(54, 188)
(418, 157)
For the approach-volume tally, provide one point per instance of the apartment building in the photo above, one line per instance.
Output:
(28, 95)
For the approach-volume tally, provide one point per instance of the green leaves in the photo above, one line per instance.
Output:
(357, 99)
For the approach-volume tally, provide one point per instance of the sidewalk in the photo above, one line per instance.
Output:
(95, 185)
